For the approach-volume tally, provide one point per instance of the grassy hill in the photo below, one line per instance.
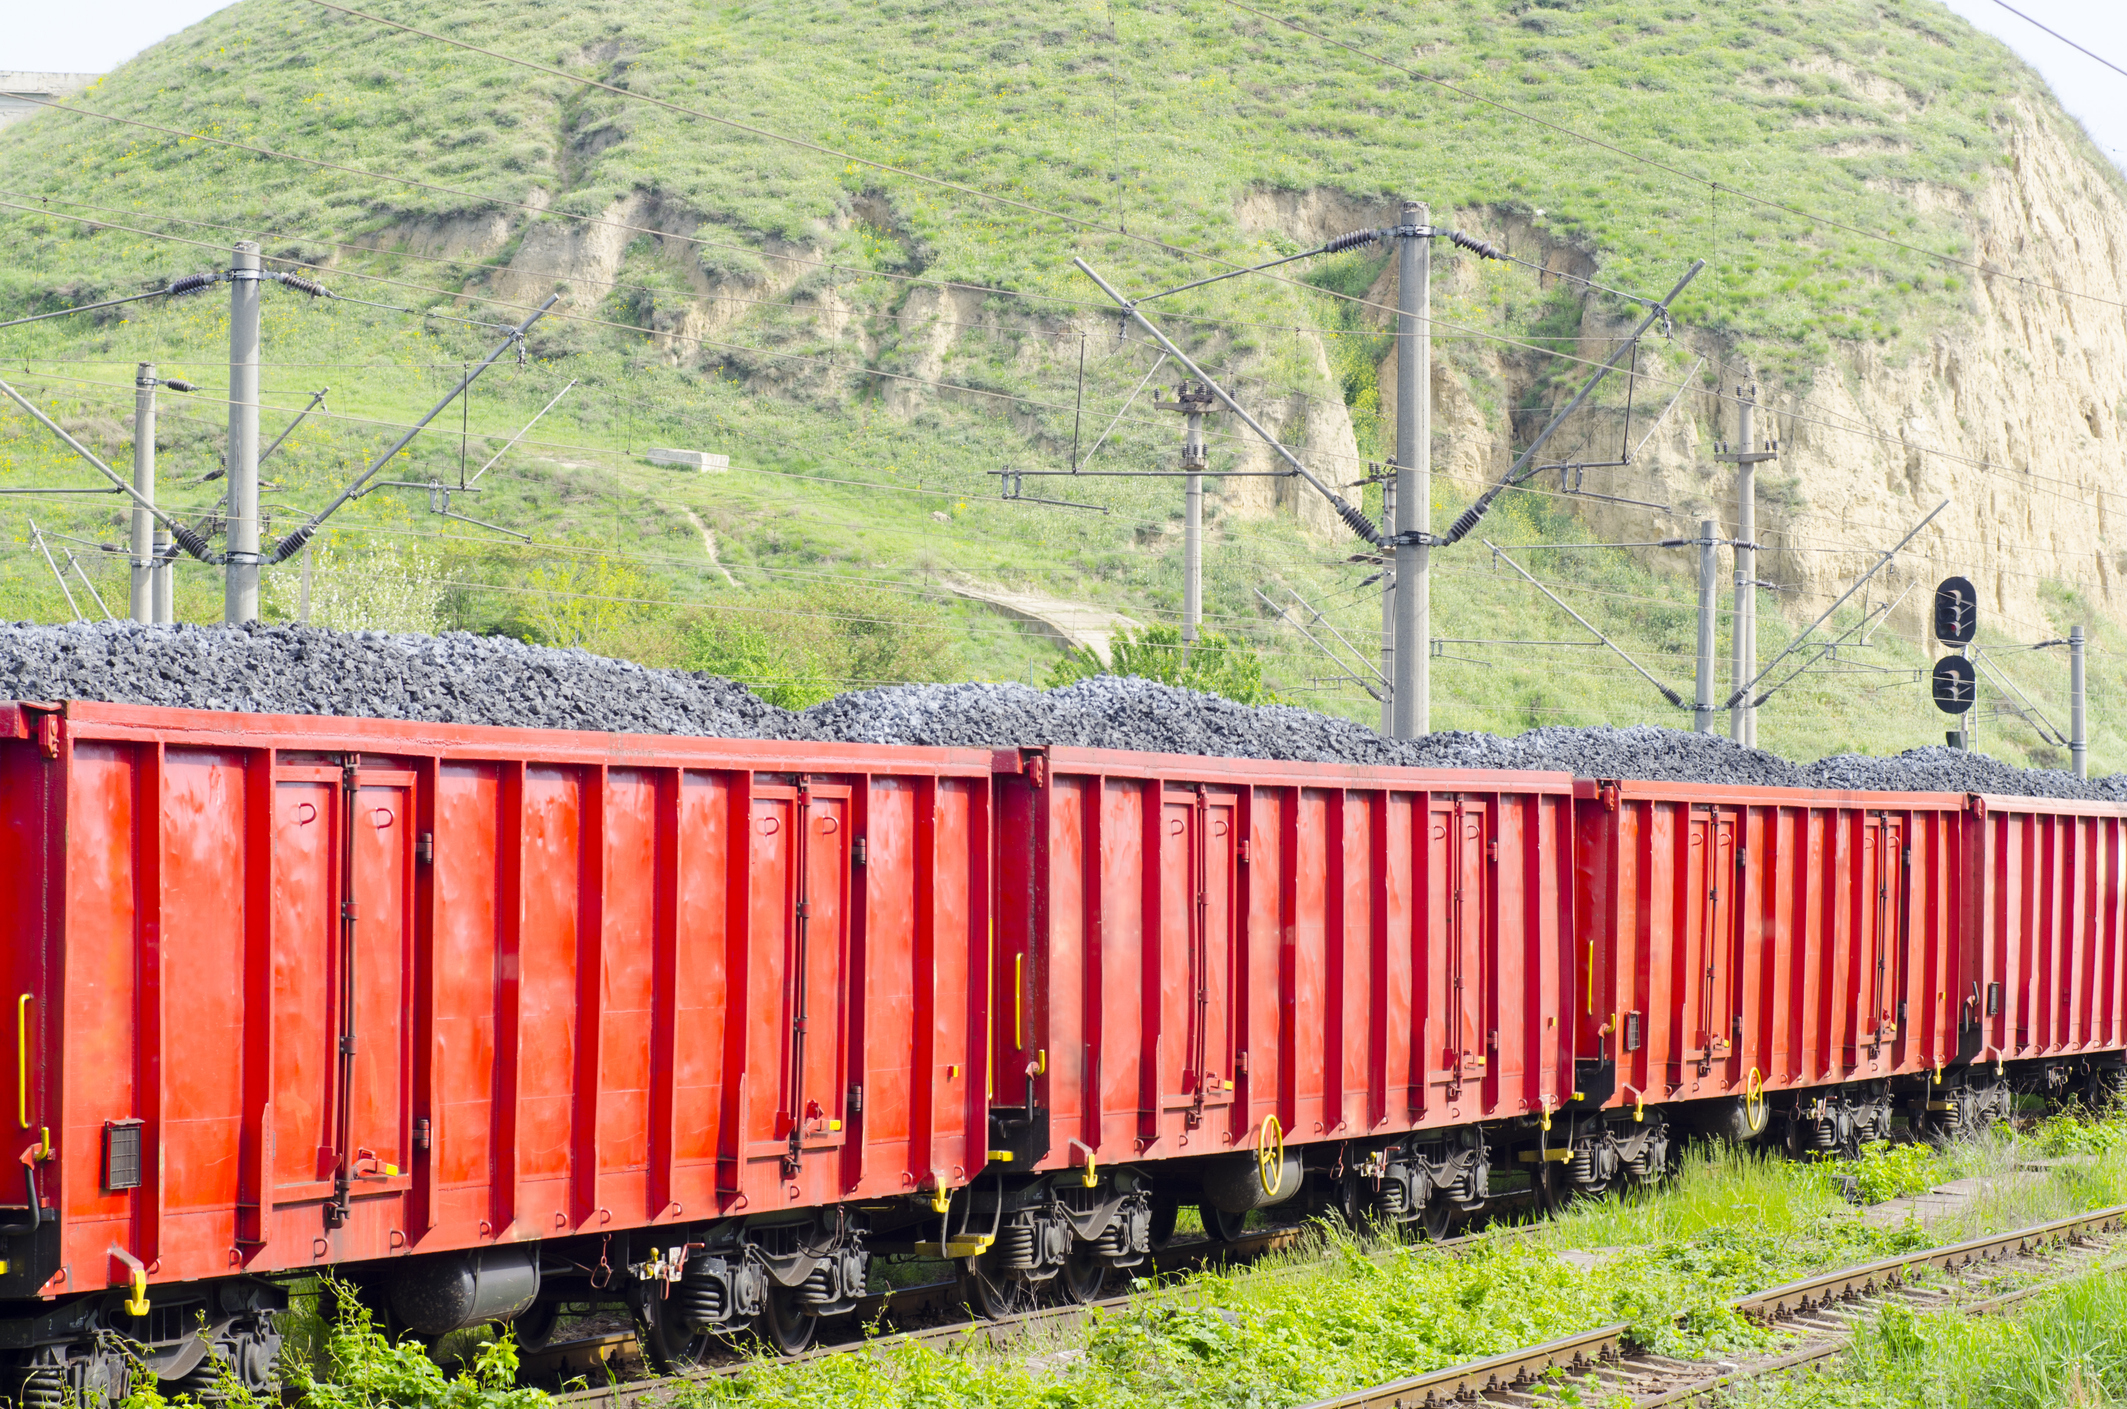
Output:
(792, 331)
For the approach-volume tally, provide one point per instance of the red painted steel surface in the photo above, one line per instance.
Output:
(2043, 952)
(1804, 937)
(1189, 945)
(569, 970)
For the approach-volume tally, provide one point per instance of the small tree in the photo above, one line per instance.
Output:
(1217, 664)
(383, 587)
(591, 600)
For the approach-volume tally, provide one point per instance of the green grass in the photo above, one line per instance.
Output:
(1161, 118)
(2067, 1350)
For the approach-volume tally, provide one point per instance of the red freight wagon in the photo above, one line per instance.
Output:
(1220, 978)
(2041, 989)
(492, 1018)
(1753, 954)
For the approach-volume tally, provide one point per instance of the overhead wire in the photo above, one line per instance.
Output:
(478, 263)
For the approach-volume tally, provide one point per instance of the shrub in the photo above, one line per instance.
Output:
(384, 587)
(1217, 664)
(795, 646)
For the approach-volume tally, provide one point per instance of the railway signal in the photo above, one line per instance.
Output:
(1956, 685)
(1956, 611)
(1955, 682)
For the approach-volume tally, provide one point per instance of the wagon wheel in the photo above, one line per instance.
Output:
(784, 1324)
(994, 1294)
(666, 1344)
(1348, 1201)
(1164, 1213)
(1549, 1184)
(1085, 1272)
(1221, 1226)
(535, 1327)
(1439, 1218)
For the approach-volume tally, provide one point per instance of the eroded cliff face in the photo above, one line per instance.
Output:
(2012, 413)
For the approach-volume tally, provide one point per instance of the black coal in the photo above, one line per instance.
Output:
(465, 679)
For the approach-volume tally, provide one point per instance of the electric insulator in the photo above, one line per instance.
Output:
(192, 283)
(178, 384)
(1351, 241)
(1467, 520)
(302, 285)
(1475, 246)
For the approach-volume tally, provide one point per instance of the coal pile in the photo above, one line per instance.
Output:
(463, 679)
(1105, 711)
(1636, 751)
(1939, 769)
(455, 678)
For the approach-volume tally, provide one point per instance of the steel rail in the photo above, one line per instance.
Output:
(1604, 1345)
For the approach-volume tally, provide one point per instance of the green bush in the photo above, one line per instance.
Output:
(796, 646)
(1887, 1171)
(1217, 664)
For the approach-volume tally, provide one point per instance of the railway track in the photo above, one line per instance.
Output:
(943, 1304)
(940, 1303)
(1824, 1313)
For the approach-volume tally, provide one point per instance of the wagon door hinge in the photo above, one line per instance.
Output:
(48, 732)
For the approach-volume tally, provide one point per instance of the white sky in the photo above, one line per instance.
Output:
(2088, 89)
(94, 36)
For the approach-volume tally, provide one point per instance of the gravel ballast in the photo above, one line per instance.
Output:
(465, 679)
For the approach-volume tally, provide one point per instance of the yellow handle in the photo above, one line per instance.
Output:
(1019, 989)
(1270, 1155)
(1091, 1178)
(1754, 1099)
(137, 1305)
(22, 1058)
(1591, 978)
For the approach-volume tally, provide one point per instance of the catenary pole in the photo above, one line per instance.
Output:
(143, 539)
(165, 606)
(1703, 713)
(240, 575)
(2078, 724)
(1194, 401)
(1388, 607)
(1409, 687)
(1193, 461)
(1743, 632)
